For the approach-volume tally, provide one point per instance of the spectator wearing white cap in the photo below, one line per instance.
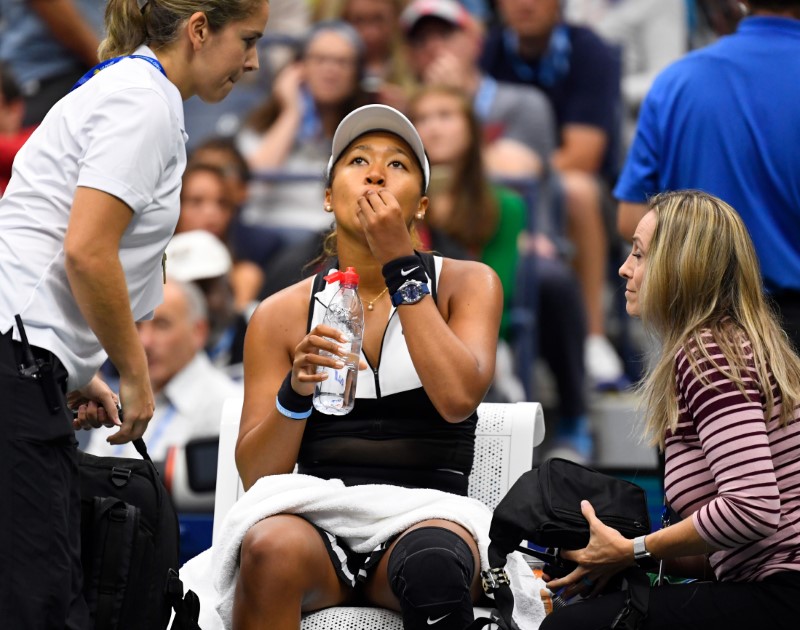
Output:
(207, 203)
(201, 258)
(189, 391)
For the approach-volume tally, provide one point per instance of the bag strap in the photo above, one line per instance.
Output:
(496, 583)
(138, 443)
(141, 448)
(120, 527)
(187, 608)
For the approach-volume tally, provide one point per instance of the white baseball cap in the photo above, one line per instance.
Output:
(378, 118)
(197, 255)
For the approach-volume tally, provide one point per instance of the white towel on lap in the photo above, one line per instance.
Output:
(364, 516)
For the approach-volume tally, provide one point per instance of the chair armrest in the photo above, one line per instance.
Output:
(527, 432)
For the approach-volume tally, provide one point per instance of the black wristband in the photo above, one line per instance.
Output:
(397, 271)
(290, 403)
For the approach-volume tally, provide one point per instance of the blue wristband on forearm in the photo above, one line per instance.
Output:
(291, 404)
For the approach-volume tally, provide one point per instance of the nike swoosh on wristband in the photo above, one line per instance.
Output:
(405, 272)
(433, 621)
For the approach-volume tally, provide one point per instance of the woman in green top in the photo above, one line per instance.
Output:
(489, 221)
(486, 220)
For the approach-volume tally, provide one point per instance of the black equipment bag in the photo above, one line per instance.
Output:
(129, 546)
(544, 507)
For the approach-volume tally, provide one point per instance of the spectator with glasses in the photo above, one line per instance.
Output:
(292, 131)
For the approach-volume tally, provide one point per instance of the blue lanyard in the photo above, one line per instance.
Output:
(310, 123)
(161, 425)
(110, 62)
(551, 67)
(224, 344)
(524, 70)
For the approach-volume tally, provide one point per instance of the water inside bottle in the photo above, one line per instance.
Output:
(336, 395)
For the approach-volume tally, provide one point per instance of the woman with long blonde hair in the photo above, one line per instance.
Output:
(723, 401)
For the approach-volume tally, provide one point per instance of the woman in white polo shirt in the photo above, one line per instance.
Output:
(92, 202)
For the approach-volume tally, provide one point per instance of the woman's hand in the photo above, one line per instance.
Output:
(607, 553)
(286, 88)
(138, 407)
(96, 405)
(307, 357)
(451, 70)
(384, 225)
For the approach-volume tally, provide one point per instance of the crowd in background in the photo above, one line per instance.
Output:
(527, 108)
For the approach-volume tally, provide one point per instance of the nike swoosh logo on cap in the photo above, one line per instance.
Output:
(433, 621)
(405, 272)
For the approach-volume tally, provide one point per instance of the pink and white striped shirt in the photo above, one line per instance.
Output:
(734, 473)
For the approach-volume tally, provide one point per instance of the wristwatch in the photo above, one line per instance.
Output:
(639, 550)
(410, 292)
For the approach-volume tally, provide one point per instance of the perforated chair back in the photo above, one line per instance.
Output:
(505, 437)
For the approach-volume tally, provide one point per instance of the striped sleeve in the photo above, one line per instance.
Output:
(735, 443)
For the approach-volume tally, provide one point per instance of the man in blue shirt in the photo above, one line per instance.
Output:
(725, 119)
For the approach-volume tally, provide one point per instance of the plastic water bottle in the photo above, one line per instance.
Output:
(336, 394)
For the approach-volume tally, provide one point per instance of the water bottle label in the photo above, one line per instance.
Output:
(336, 394)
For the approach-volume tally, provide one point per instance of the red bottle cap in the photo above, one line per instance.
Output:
(348, 276)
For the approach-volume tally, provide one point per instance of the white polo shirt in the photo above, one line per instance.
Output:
(122, 132)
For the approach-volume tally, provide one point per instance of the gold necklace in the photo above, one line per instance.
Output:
(375, 299)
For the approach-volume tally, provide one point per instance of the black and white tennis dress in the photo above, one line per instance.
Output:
(393, 435)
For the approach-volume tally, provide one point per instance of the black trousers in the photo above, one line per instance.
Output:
(773, 603)
(40, 569)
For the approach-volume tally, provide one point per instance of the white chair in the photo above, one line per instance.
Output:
(504, 441)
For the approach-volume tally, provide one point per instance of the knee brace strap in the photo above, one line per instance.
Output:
(430, 571)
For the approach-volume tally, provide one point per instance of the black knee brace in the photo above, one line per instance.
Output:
(430, 570)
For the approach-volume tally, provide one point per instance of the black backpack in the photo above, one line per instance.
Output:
(543, 507)
(129, 546)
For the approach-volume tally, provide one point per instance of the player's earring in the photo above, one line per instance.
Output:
(328, 207)
(419, 216)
